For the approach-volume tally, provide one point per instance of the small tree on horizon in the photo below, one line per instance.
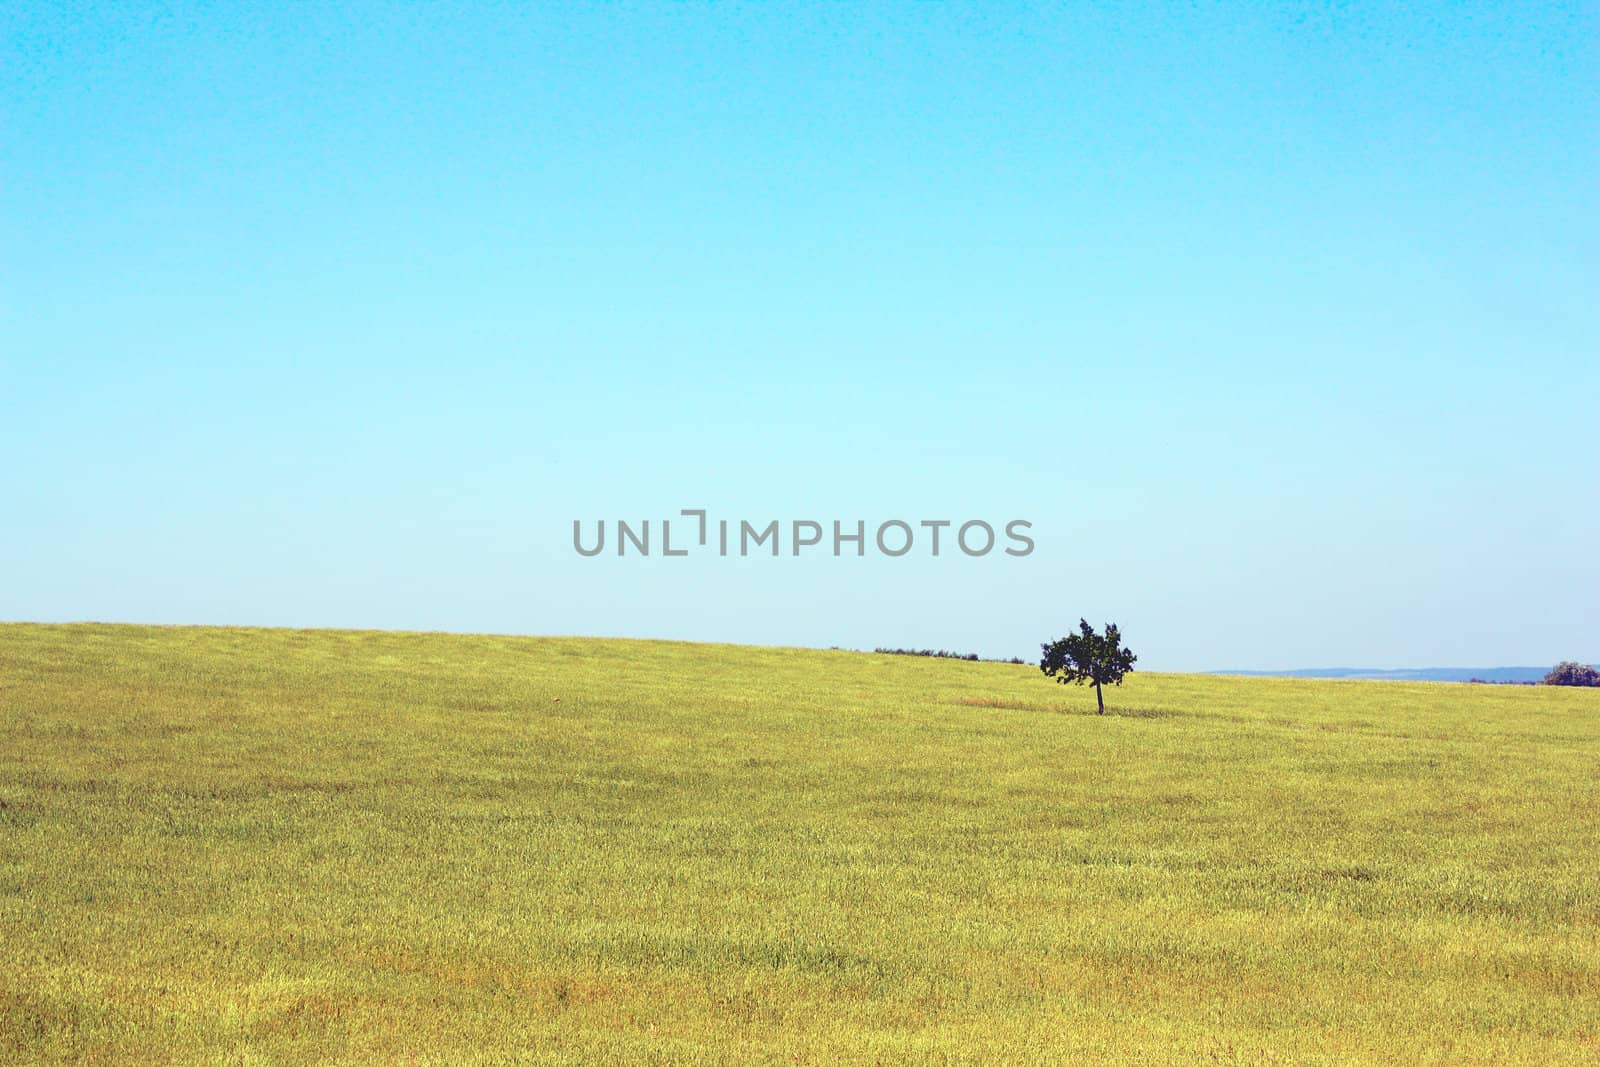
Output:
(1088, 657)
(1569, 673)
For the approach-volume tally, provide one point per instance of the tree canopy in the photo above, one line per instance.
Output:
(1569, 673)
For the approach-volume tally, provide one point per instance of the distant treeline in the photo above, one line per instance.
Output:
(1567, 672)
(943, 654)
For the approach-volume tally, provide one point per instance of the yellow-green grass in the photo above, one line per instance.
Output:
(274, 846)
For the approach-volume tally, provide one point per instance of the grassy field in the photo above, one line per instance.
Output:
(272, 846)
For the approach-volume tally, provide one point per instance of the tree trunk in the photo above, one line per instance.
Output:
(1100, 698)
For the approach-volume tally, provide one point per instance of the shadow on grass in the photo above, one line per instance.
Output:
(1139, 713)
(1068, 709)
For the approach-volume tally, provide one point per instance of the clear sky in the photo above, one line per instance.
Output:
(1279, 324)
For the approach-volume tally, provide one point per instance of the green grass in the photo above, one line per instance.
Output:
(273, 846)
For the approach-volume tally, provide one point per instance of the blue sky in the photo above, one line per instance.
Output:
(1278, 323)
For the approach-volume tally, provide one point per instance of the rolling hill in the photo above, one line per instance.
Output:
(277, 846)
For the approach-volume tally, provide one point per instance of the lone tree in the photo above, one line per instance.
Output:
(1569, 673)
(1088, 657)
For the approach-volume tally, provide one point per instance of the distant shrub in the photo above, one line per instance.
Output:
(1569, 673)
(939, 653)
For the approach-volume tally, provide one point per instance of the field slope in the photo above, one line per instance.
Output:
(275, 846)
